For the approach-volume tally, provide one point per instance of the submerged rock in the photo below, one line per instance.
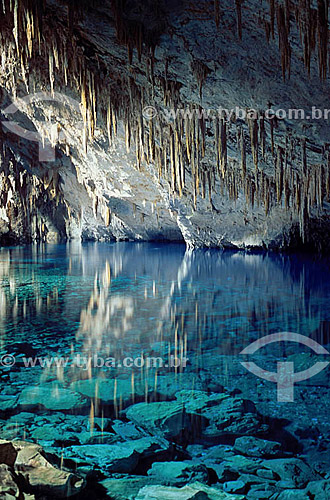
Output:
(232, 416)
(169, 418)
(293, 472)
(197, 412)
(195, 491)
(235, 487)
(110, 390)
(7, 402)
(294, 495)
(52, 397)
(178, 473)
(169, 385)
(255, 447)
(120, 457)
(125, 487)
(319, 490)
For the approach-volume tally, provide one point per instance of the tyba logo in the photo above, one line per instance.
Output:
(285, 377)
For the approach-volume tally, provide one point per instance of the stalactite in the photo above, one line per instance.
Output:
(151, 141)
(283, 39)
(303, 156)
(51, 72)
(127, 135)
(279, 175)
(243, 154)
(217, 12)
(253, 129)
(201, 72)
(223, 147)
(239, 17)
(16, 29)
(323, 36)
(272, 18)
(262, 134)
(327, 182)
(266, 195)
(202, 127)
(108, 217)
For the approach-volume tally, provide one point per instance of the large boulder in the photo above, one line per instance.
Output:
(197, 412)
(110, 390)
(293, 472)
(7, 402)
(294, 495)
(40, 476)
(194, 491)
(125, 487)
(120, 457)
(178, 473)
(51, 397)
(171, 419)
(8, 488)
(255, 447)
(168, 385)
(319, 490)
(8, 453)
(232, 416)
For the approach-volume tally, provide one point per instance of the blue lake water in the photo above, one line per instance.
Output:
(140, 301)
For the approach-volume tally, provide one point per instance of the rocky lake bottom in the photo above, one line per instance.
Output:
(198, 424)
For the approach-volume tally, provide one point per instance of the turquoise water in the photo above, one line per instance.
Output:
(150, 300)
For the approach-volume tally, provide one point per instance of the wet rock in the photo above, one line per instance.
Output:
(251, 479)
(254, 447)
(232, 416)
(98, 437)
(125, 487)
(196, 450)
(8, 453)
(305, 360)
(194, 400)
(195, 409)
(261, 492)
(232, 467)
(293, 472)
(242, 464)
(7, 402)
(319, 490)
(48, 433)
(23, 417)
(127, 430)
(219, 453)
(178, 473)
(235, 487)
(172, 419)
(293, 495)
(168, 386)
(109, 390)
(121, 457)
(8, 488)
(267, 474)
(40, 476)
(194, 491)
(50, 396)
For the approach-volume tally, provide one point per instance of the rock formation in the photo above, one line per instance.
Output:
(124, 99)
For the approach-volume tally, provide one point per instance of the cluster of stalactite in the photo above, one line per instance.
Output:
(311, 19)
(29, 201)
(312, 24)
(177, 148)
